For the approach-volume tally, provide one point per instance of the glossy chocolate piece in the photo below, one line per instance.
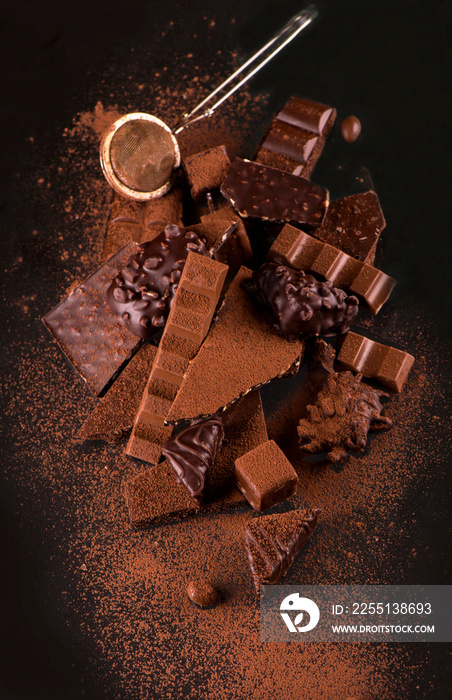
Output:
(202, 593)
(350, 128)
(258, 191)
(273, 541)
(142, 293)
(206, 170)
(374, 360)
(353, 224)
(87, 331)
(297, 136)
(299, 304)
(301, 251)
(192, 454)
(344, 412)
(265, 476)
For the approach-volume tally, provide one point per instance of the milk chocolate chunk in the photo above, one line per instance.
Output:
(344, 412)
(299, 304)
(354, 224)
(301, 251)
(206, 170)
(87, 331)
(142, 293)
(297, 136)
(273, 541)
(265, 476)
(192, 454)
(239, 353)
(258, 191)
(375, 361)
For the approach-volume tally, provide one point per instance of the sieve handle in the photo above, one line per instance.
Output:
(268, 51)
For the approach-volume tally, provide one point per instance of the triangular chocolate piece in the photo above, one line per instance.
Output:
(192, 453)
(273, 541)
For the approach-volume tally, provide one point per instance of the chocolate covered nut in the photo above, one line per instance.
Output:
(375, 360)
(85, 328)
(301, 251)
(265, 476)
(142, 293)
(273, 541)
(202, 593)
(350, 128)
(258, 191)
(206, 170)
(299, 303)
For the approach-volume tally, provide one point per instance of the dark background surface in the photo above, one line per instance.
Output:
(388, 62)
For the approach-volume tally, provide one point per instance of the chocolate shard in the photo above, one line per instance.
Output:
(192, 454)
(301, 251)
(344, 412)
(387, 365)
(300, 304)
(206, 170)
(142, 293)
(83, 325)
(258, 191)
(273, 541)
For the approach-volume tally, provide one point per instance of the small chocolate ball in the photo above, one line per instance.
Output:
(202, 593)
(350, 128)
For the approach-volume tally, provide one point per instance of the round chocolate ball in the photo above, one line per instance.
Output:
(202, 593)
(350, 128)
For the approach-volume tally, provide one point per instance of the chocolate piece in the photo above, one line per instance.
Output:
(265, 476)
(202, 593)
(256, 190)
(192, 453)
(239, 353)
(273, 541)
(375, 361)
(350, 128)
(154, 496)
(300, 304)
(142, 293)
(188, 322)
(353, 224)
(301, 251)
(344, 412)
(83, 325)
(112, 418)
(226, 239)
(297, 136)
(206, 170)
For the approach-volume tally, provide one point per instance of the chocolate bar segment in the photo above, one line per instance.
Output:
(386, 364)
(258, 191)
(206, 170)
(301, 251)
(265, 476)
(297, 136)
(86, 330)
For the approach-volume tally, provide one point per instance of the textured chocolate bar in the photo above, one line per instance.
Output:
(258, 191)
(206, 170)
(297, 136)
(86, 329)
(239, 353)
(301, 251)
(375, 361)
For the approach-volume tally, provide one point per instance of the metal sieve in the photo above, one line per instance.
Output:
(139, 154)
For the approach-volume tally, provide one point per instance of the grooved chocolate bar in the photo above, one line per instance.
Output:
(297, 136)
(258, 191)
(188, 322)
(375, 361)
(301, 251)
(85, 328)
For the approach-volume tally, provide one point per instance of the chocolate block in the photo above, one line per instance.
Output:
(188, 322)
(86, 329)
(226, 239)
(141, 295)
(375, 361)
(258, 191)
(273, 541)
(301, 251)
(206, 170)
(265, 476)
(154, 496)
(354, 224)
(112, 418)
(297, 136)
(239, 353)
(299, 303)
